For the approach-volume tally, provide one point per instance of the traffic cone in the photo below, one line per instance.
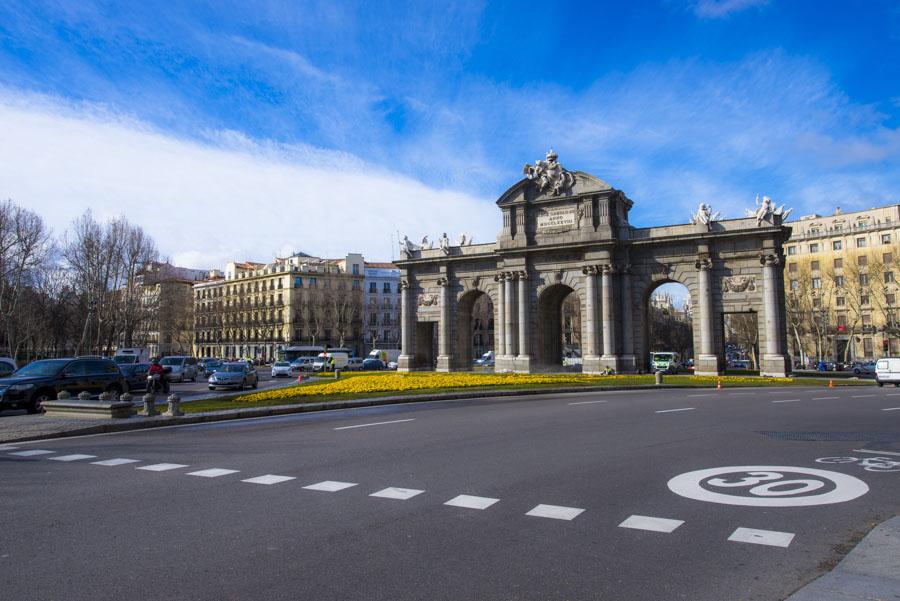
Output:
(300, 379)
(719, 384)
(830, 383)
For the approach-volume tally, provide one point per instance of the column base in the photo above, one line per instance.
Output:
(613, 362)
(522, 364)
(774, 366)
(628, 363)
(406, 363)
(505, 363)
(590, 364)
(444, 363)
(708, 365)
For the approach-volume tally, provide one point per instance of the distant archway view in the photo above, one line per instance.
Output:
(670, 329)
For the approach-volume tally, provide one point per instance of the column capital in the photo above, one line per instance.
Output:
(523, 275)
(500, 277)
(511, 276)
(769, 259)
(590, 270)
(443, 282)
(703, 264)
(404, 284)
(606, 268)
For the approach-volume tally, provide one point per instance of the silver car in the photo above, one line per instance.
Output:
(183, 368)
(234, 375)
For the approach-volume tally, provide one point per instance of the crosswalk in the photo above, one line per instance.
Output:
(663, 525)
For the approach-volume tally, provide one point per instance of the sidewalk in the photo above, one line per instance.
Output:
(870, 571)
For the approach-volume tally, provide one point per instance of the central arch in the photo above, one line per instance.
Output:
(474, 327)
(667, 321)
(551, 324)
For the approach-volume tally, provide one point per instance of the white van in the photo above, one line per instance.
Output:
(887, 371)
(340, 361)
(129, 355)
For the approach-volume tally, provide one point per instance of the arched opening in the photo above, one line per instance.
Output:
(475, 331)
(668, 331)
(559, 324)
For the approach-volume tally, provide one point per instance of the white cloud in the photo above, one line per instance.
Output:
(206, 204)
(718, 9)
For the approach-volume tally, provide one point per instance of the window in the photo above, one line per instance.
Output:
(839, 301)
(887, 258)
(837, 245)
(312, 282)
(792, 267)
(356, 270)
(355, 284)
(816, 283)
(387, 287)
(885, 238)
(888, 277)
(842, 319)
(862, 260)
(814, 266)
(795, 285)
(839, 227)
(298, 282)
(817, 303)
(792, 250)
(867, 347)
(864, 279)
(838, 263)
(864, 300)
(890, 299)
(814, 247)
(327, 283)
(373, 287)
(373, 319)
(860, 242)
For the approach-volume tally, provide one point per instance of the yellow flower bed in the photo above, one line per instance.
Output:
(367, 383)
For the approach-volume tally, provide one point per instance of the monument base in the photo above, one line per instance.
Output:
(708, 365)
(774, 366)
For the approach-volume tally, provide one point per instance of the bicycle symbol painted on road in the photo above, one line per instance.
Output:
(870, 464)
(768, 486)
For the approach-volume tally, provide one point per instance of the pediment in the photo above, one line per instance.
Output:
(526, 190)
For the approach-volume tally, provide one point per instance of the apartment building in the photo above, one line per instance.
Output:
(167, 300)
(382, 306)
(841, 285)
(254, 310)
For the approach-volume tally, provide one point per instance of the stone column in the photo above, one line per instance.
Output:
(523, 361)
(444, 360)
(629, 361)
(708, 363)
(590, 312)
(510, 325)
(500, 330)
(610, 358)
(774, 361)
(405, 361)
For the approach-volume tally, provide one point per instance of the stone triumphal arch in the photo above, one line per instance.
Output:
(568, 233)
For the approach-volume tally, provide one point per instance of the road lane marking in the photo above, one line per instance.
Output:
(396, 421)
(876, 452)
(586, 402)
(762, 537)
(699, 395)
(114, 462)
(861, 396)
(76, 457)
(893, 394)
(825, 398)
(737, 393)
(555, 512)
(787, 401)
(161, 467)
(393, 492)
(269, 479)
(888, 409)
(213, 472)
(672, 410)
(7, 447)
(645, 522)
(32, 453)
(471, 502)
(330, 486)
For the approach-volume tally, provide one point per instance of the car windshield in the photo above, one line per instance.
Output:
(48, 367)
(171, 361)
(282, 364)
(125, 359)
(233, 368)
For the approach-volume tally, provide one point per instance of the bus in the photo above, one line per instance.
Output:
(289, 353)
(665, 361)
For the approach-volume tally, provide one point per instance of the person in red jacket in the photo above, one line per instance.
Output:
(157, 369)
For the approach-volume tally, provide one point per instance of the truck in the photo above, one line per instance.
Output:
(386, 355)
(129, 355)
(329, 360)
(665, 361)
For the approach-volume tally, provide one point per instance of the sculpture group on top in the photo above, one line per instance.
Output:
(705, 216)
(550, 175)
(407, 246)
(765, 209)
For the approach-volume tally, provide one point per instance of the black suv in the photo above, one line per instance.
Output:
(40, 381)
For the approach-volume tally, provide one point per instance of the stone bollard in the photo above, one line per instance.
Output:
(126, 397)
(63, 396)
(105, 396)
(84, 396)
(174, 406)
(149, 405)
(337, 374)
(659, 378)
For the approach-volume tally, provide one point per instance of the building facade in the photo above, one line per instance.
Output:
(382, 306)
(254, 310)
(841, 283)
(167, 300)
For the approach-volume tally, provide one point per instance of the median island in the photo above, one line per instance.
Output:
(366, 385)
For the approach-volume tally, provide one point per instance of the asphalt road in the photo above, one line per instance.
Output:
(74, 529)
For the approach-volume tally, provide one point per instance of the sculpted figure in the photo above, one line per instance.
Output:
(550, 175)
(462, 240)
(444, 243)
(705, 216)
(766, 208)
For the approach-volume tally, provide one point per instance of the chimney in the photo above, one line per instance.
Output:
(837, 211)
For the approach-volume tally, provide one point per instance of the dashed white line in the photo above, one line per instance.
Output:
(700, 395)
(213, 472)
(876, 452)
(888, 409)
(32, 453)
(114, 462)
(787, 401)
(161, 467)
(269, 479)
(586, 402)
(893, 394)
(644, 522)
(762, 537)
(555, 512)
(7, 447)
(471, 502)
(400, 494)
(330, 486)
(861, 396)
(739, 393)
(673, 410)
(825, 398)
(76, 457)
(396, 421)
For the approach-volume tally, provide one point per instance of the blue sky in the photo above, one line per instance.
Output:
(279, 117)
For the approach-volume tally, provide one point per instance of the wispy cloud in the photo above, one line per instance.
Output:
(719, 9)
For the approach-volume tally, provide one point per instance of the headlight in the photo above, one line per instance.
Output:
(21, 387)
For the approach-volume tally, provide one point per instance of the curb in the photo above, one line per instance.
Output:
(257, 412)
(870, 571)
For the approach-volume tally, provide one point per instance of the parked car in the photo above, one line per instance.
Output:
(864, 368)
(237, 374)
(135, 375)
(373, 364)
(392, 365)
(183, 368)
(42, 380)
(208, 365)
(302, 364)
(486, 360)
(354, 364)
(281, 369)
(7, 366)
(887, 371)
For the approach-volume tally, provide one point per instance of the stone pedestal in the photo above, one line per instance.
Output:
(775, 366)
(707, 365)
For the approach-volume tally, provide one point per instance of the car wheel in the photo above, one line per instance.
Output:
(255, 383)
(114, 390)
(37, 401)
(212, 387)
(194, 378)
(880, 384)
